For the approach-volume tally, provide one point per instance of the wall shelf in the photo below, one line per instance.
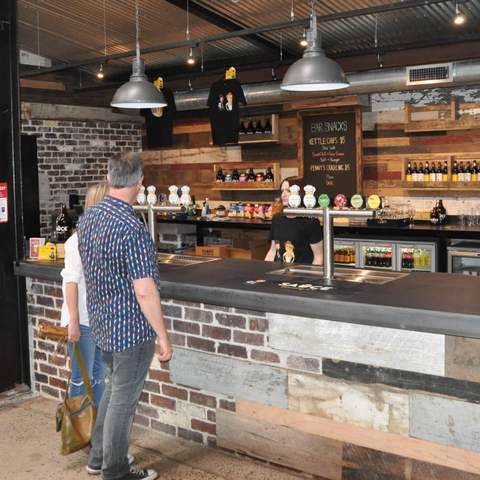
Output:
(243, 167)
(245, 138)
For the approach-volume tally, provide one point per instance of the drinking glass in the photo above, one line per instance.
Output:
(411, 215)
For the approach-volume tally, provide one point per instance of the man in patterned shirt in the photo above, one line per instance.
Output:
(123, 301)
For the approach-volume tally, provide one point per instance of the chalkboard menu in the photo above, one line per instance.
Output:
(330, 152)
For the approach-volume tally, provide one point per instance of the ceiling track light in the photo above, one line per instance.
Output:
(314, 72)
(191, 58)
(459, 18)
(138, 92)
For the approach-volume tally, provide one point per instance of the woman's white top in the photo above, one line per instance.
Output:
(73, 272)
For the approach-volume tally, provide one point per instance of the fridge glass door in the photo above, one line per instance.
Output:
(464, 262)
(345, 253)
(416, 257)
(379, 255)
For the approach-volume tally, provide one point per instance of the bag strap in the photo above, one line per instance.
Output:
(83, 371)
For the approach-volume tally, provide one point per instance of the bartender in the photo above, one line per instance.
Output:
(294, 239)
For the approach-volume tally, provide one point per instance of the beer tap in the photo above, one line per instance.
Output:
(152, 210)
(328, 214)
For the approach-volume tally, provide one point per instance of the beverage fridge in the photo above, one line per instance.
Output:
(464, 257)
(392, 255)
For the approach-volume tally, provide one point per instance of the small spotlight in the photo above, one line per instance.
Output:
(459, 18)
(191, 58)
(100, 74)
(303, 41)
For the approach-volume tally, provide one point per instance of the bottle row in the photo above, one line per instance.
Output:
(255, 126)
(247, 176)
(465, 171)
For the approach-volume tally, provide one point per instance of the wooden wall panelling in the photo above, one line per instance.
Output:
(366, 464)
(445, 420)
(379, 346)
(462, 358)
(413, 448)
(237, 378)
(282, 445)
(370, 406)
(457, 365)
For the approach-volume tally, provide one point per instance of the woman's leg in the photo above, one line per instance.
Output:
(87, 349)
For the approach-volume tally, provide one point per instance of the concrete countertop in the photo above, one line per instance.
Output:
(427, 302)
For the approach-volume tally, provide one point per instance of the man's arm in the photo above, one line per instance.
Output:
(148, 298)
(317, 249)
(270, 256)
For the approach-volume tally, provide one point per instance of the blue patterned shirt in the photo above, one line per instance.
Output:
(115, 248)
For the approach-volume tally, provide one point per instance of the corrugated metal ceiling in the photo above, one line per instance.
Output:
(73, 31)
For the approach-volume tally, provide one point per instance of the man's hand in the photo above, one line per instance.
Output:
(73, 331)
(164, 351)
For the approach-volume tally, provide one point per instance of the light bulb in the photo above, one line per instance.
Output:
(303, 41)
(100, 74)
(191, 58)
(459, 18)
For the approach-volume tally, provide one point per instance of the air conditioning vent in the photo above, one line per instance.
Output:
(428, 74)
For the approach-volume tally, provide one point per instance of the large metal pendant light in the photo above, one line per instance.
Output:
(314, 72)
(138, 92)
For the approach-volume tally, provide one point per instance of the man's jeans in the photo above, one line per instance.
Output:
(126, 373)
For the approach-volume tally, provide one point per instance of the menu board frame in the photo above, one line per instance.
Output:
(356, 183)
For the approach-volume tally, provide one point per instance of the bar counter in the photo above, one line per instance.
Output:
(359, 382)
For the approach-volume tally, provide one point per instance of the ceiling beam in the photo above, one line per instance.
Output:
(227, 24)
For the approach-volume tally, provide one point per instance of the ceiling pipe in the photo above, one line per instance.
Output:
(372, 81)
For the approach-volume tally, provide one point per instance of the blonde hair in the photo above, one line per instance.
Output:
(95, 194)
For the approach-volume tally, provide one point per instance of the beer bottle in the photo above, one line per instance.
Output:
(426, 172)
(439, 172)
(445, 172)
(415, 172)
(474, 171)
(421, 176)
(461, 172)
(63, 225)
(220, 175)
(408, 173)
(468, 172)
(455, 172)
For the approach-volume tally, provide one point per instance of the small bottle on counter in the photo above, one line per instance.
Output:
(206, 208)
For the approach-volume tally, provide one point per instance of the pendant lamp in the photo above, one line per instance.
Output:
(314, 72)
(138, 92)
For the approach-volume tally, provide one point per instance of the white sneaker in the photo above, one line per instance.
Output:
(98, 471)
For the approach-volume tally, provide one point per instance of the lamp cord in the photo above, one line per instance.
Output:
(104, 30)
(187, 31)
(137, 31)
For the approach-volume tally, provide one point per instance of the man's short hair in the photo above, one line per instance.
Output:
(125, 169)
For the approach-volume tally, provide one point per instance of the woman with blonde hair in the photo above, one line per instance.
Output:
(74, 310)
(294, 239)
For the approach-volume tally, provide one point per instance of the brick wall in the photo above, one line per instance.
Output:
(72, 155)
(165, 406)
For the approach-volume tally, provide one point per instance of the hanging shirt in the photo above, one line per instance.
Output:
(223, 102)
(159, 122)
(293, 237)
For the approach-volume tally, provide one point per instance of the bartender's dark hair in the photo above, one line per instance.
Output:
(277, 206)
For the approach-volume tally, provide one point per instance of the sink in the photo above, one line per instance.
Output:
(183, 260)
(377, 277)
